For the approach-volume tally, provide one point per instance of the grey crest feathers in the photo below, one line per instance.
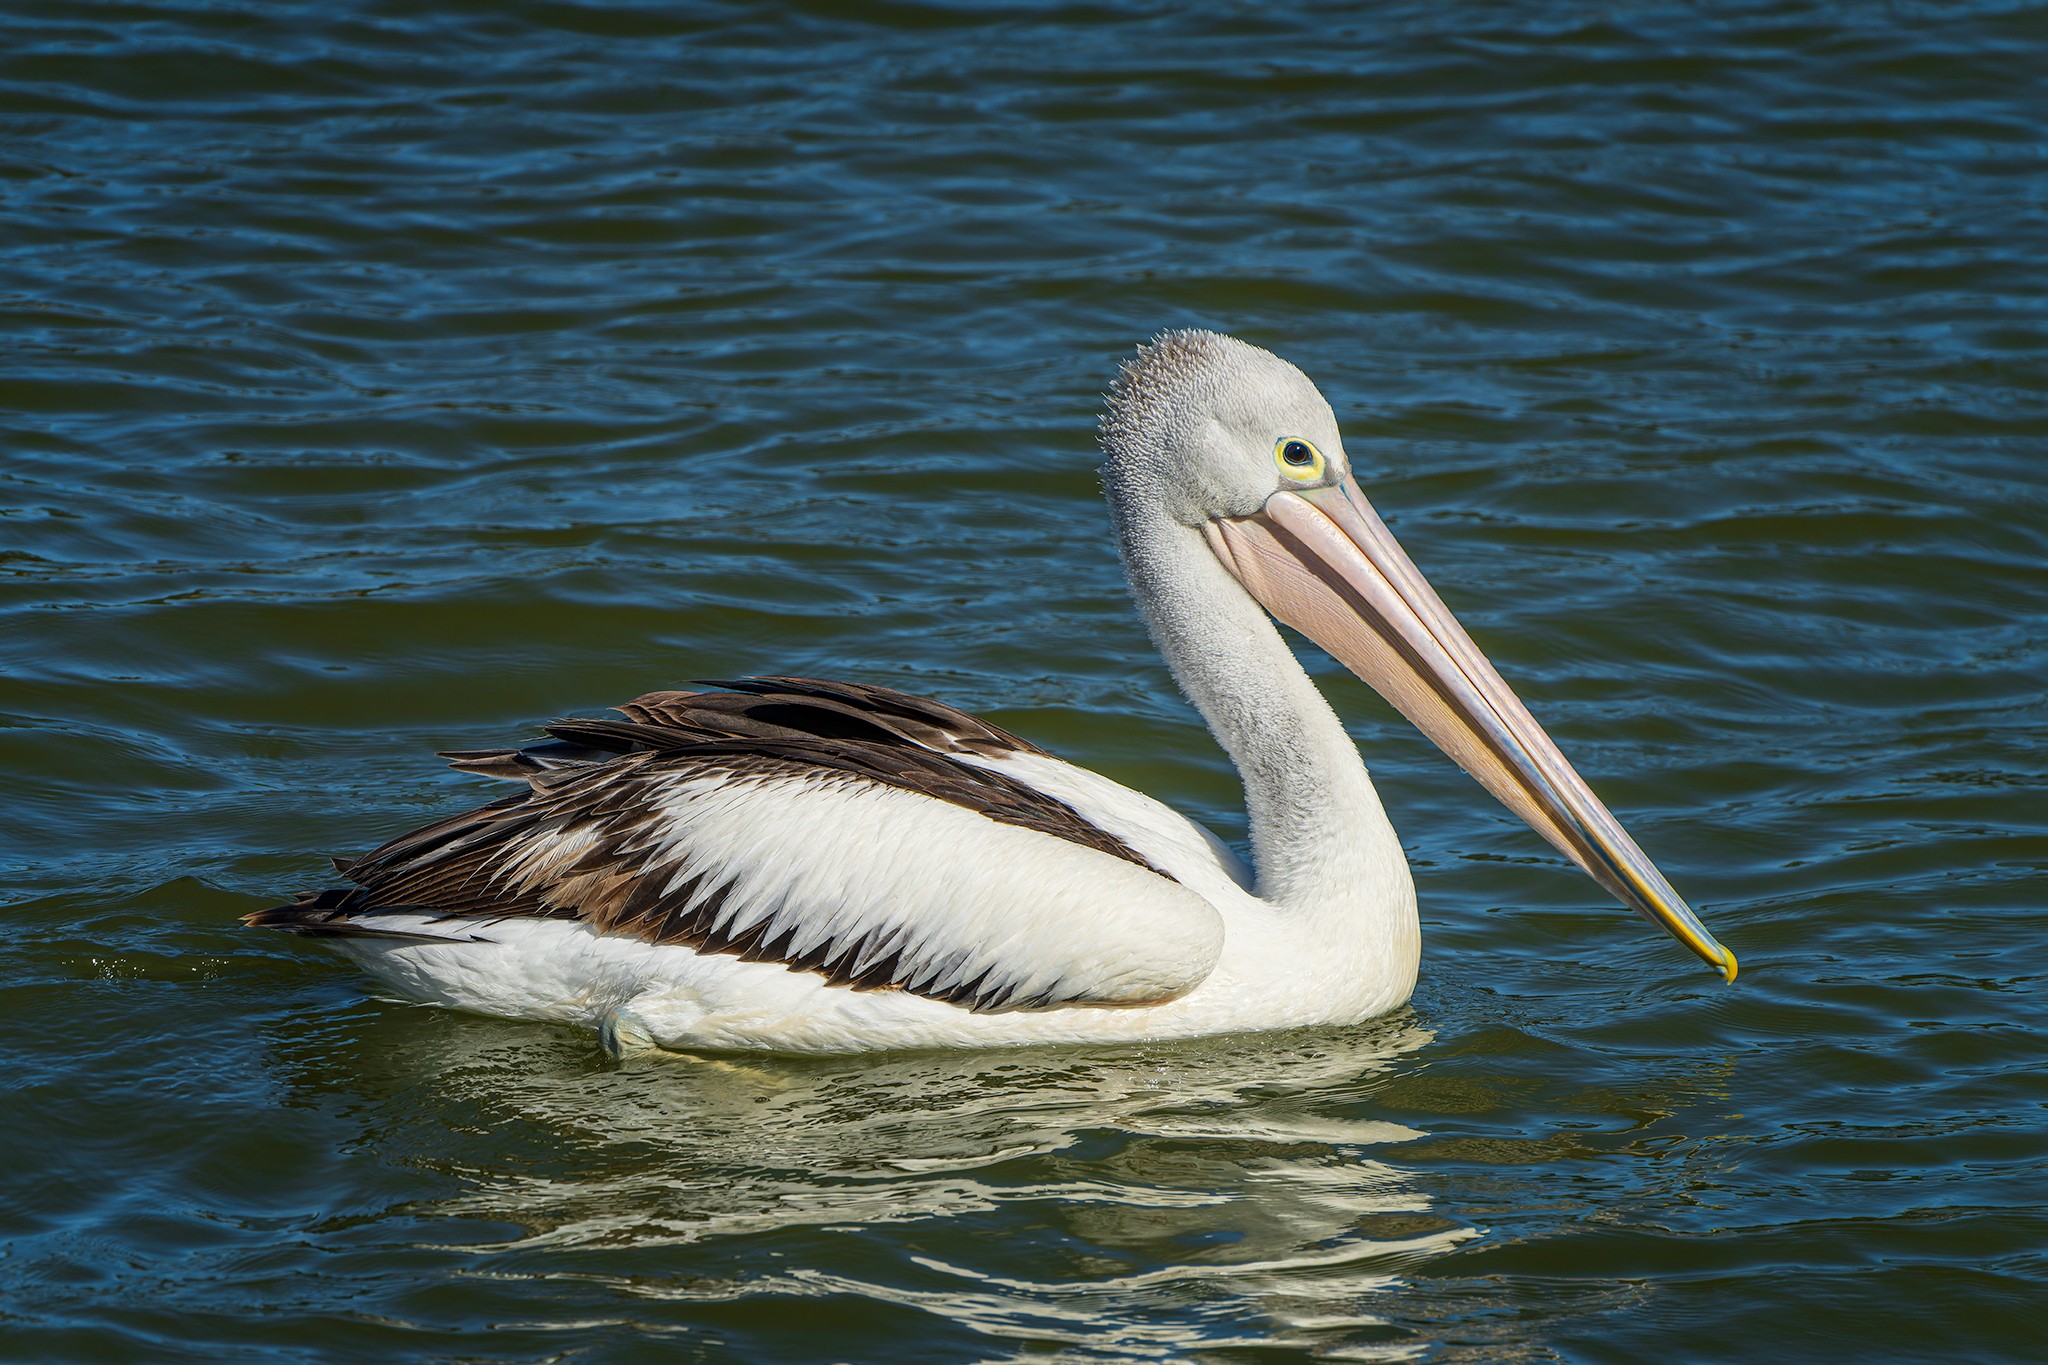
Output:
(1174, 373)
(1189, 426)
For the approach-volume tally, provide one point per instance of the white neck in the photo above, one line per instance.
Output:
(1321, 842)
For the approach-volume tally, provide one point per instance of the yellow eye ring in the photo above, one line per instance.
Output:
(1298, 459)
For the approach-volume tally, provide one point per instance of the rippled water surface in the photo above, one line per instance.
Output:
(381, 378)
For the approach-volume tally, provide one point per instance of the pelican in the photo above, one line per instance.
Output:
(793, 865)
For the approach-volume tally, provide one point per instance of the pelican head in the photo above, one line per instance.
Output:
(1230, 440)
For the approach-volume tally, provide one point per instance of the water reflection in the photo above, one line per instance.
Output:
(1140, 1198)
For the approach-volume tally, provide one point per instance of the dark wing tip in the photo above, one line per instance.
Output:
(918, 720)
(329, 914)
(489, 762)
(309, 914)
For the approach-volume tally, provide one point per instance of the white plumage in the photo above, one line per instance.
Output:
(804, 866)
(1053, 918)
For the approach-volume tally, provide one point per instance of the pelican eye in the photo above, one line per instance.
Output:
(1298, 458)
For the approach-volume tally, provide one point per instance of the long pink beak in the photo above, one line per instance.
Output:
(1321, 560)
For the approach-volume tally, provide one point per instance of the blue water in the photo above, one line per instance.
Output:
(378, 379)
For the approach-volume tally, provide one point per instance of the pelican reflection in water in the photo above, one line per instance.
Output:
(788, 864)
(1134, 1200)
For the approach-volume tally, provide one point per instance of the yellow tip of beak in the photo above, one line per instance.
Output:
(1727, 965)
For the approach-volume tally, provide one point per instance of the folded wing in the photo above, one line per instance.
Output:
(871, 857)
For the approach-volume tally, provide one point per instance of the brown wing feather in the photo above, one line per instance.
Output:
(916, 720)
(793, 709)
(576, 845)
